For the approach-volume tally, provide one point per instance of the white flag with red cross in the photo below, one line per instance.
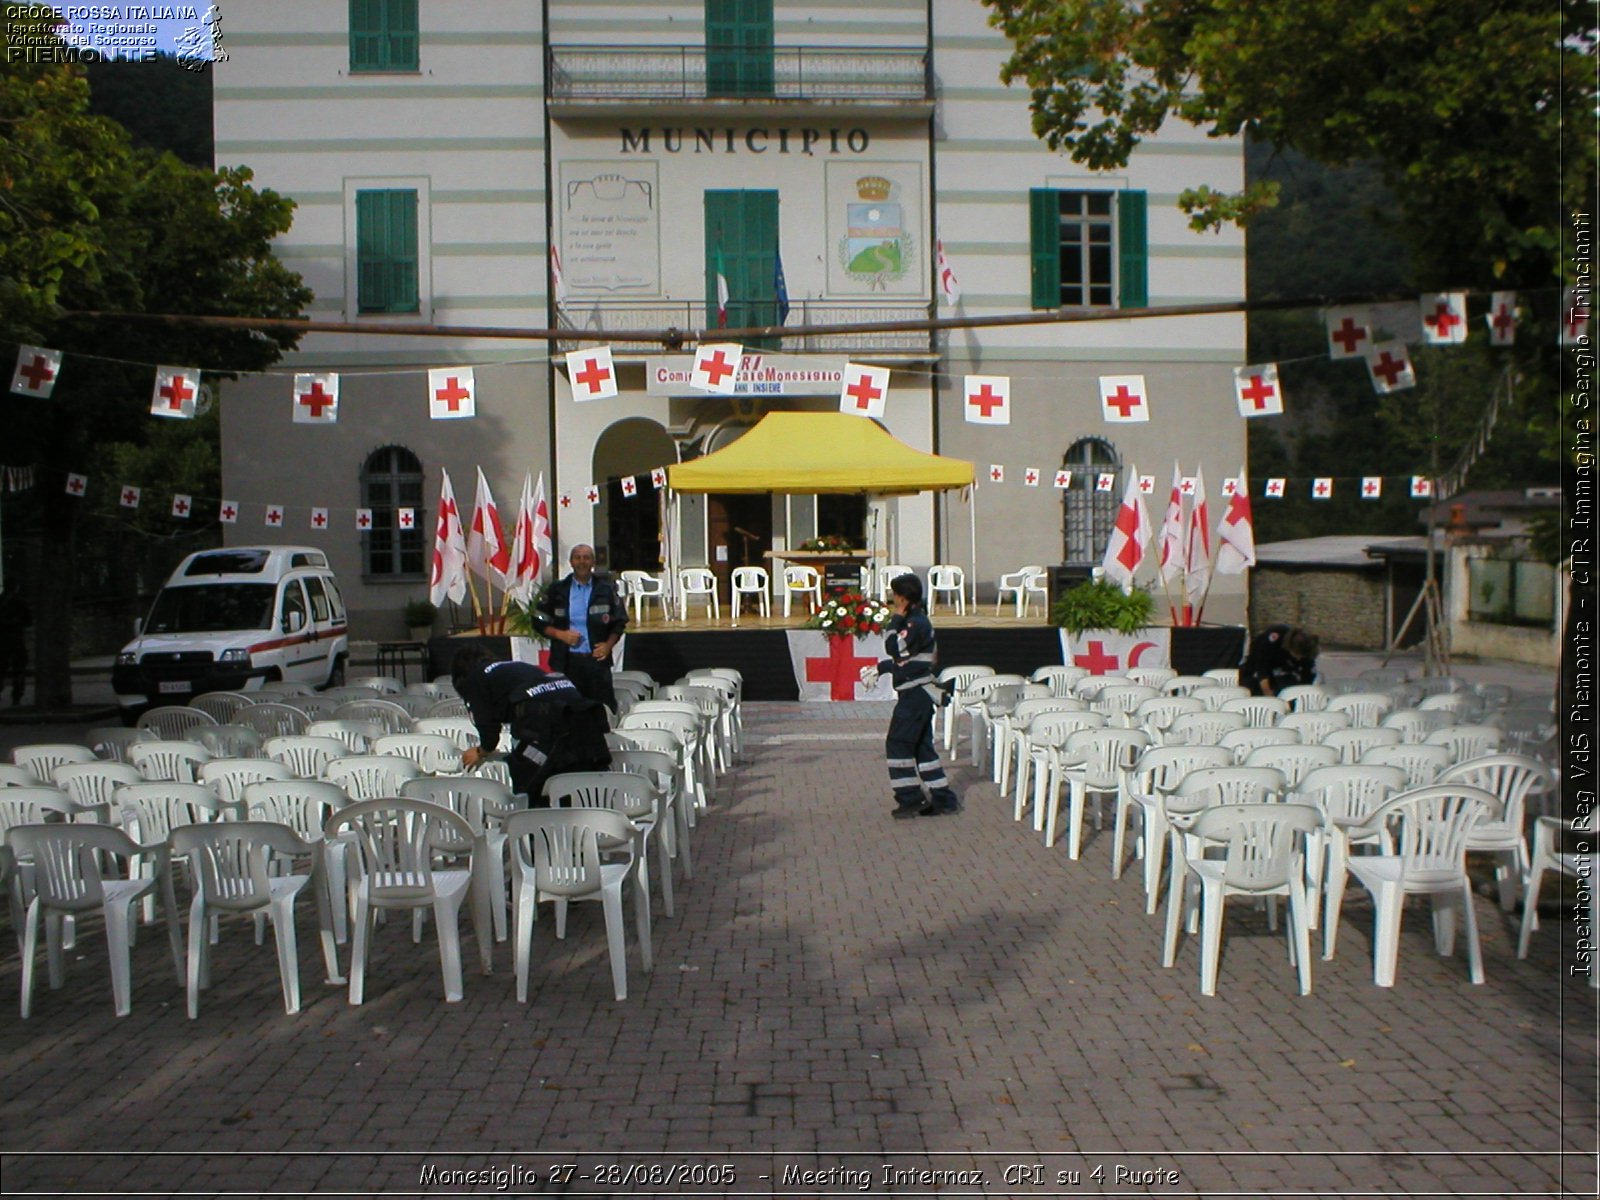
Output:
(1257, 390)
(997, 473)
(1230, 486)
(1502, 319)
(1236, 532)
(319, 519)
(1274, 487)
(592, 494)
(1169, 545)
(658, 477)
(77, 485)
(630, 486)
(405, 518)
(1444, 317)
(949, 285)
(488, 551)
(1030, 476)
(716, 367)
(593, 375)
(1105, 481)
(316, 399)
(1421, 487)
(1123, 398)
(865, 390)
(37, 369)
(1130, 534)
(175, 393)
(182, 506)
(529, 551)
(1349, 332)
(447, 576)
(228, 512)
(363, 519)
(1372, 487)
(1147, 485)
(1574, 317)
(1322, 488)
(274, 516)
(558, 279)
(129, 497)
(1389, 364)
(1107, 652)
(1063, 478)
(1197, 545)
(988, 399)
(451, 395)
(564, 500)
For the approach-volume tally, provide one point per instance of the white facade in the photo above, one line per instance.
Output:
(873, 127)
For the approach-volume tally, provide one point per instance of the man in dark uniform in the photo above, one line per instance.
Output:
(1280, 656)
(910, 657)
(553, 726)
(583, 616)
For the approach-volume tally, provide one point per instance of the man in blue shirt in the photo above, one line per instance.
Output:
(583, 616)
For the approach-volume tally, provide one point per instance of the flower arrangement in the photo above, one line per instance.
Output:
(833, 543)
(850, 615)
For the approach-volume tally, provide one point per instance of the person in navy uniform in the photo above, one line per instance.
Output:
(583, 616)
(1280, 656)
(911, 655)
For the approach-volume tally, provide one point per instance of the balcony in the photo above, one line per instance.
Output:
(630, 80)
(619, 318)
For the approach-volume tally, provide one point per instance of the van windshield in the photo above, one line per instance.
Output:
(212, 608)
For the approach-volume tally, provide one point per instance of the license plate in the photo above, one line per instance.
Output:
(168, 686)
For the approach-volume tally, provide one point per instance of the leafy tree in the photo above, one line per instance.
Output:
(163, 102)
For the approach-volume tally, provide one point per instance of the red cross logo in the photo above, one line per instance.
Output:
(1259, 392)
(1349, 335)
(176, 393)
(273, 516)
(1504, 320)
(1104, 482)
(1322, 488)
(565, 501)
(37, 373)
(716, 365)
(997, 474)
(841, 670)
(986, 400)
(408, 518)
(1274, 487)
(316, 400)
(1442, 321)
(658, 477)
(592, 495)
(180, 507)
(1095, 660)
(1030, 477)
(363, 519)
(75, 484)
(629, 485)
(451, 394)
(1128, 525)
(593, 376)
(229, 512)
(1389, 367)
(1186, 486)
(1421, 486)
(1370, 487)
(130, 495)
(319, 519)
(1063, 479)
(1123, 400)
(863, 393)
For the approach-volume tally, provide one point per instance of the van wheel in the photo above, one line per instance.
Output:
(336, 675)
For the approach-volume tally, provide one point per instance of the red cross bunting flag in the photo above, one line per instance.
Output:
(658, 477)
(1147, 485)
(592, 373)
(1122, 398)
(1390, 367)
(363, 519)
(1502, 319)
(988, 399)
(1130, 534)
(1230, 486)
(129, 497)
(1030, 476)
(181, 506)
(228, 512)
(1444, 317)
(997, 473)
(1107, 652)
(1322, 488)
(630, 486)
(274, 516)
(316, 399)
(716, 367)
(1349, 332)
(175, 392)
(1574, 317)
(592, 494)
(1105, 481)
(1421, 487)
(1197, 547)
(1274, 488)
(1236, 532)
(1372, 487)
(1063, 478)
(1257, 390)
(451, 393)
(406, 518)
(319, 518)
(564, 500)
(36, 371)
(865, 390)
(77, 485)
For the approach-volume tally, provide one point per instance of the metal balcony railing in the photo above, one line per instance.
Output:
(668, 73)
(621, 317)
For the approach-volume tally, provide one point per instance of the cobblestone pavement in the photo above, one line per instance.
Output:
(840, 992)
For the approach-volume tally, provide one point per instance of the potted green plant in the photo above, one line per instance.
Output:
(1102, 605)
(419, 617)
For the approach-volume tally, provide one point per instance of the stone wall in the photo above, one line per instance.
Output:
(1343, 606)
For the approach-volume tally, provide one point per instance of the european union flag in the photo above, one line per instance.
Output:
(780, 289)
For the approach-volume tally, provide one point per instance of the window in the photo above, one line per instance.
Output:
(383, 35)
(320, 610)
(738, 47)
(1089, 249)
(742, 246)
(391, 480)
(1087, 515)
(1510, 592)
(386, 251)
(294, 602)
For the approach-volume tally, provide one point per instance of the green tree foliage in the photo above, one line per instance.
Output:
(163, 102)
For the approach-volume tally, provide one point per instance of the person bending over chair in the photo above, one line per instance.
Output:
(1280, 656)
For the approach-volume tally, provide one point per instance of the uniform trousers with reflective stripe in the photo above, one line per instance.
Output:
(912, 758)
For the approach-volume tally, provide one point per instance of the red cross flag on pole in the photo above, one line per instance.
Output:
(558, 280)
(1274, 488)
(630, 486)
(988, 399)
(1129, 534)
(1257, 390)
(1390, 367)
(1322, 488)
(181, 506)
(997, 473)
(77, 485)
(1372, 487)
(1421, 487)
(488, 552)
(1444, 317)
(658, 477)
(865, 390)
(1349, 332)
(1122, 398)
(716, 367)
(1063, 478)
(1236, 532)
(1197, 549)
(1502, 319)
(1574, 317)
(1030, 476)
(319, 518)
(129, 497)
(274, 516)
(363, 519)
(530, 541)
(36, 371)
(228, 512)
(592, 374)
(1169, 545)
(448, 576)
(316, 399)
(949, 285)
(451, 395)
(175, 392)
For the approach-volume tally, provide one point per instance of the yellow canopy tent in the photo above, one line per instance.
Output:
(819, 452)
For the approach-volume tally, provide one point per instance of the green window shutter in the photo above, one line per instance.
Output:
(739, 42)
(386, 251)
(1133, 250)
(401, 30)
(724, 231)
(403, 251)
(383, 35)
(759, 257)
(366, 35)
(1044, 222)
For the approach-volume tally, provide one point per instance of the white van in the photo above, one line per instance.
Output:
(233, 619)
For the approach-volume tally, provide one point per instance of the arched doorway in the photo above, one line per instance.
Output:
(628, 529)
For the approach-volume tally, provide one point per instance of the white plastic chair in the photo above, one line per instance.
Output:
(178, 762)
(1292, 761)
(970, 703)
(887, 575)
(221, 706)
(1186, 685)
(1305, 697)
(559, 857)
(636, 798)
(1422, 764)
(1466, 741)
(461, 731)
(1415, 724)
(643, 586)
(272, 719)
(1353, 743)
(228, 777)
(1244, 742)
(383, 685)
(484, 804)
(1046, 734)
(111, 742)
(1224, 676)
(1347, 795)
(229, 741)
(1549, 855)
(174, 722)
(1215, 695)
(1091, 760)
(1011, 734)
(305, 756)
(1023, 585)
(753, 582)
(305, 805)
(801, 580)
(1121, 700)
(1156, 772)
(699, 582)
(661, 769)
(356, 735)
(449, 706)
(955, 680)
(434, 753)
(1315, 724)
(949, 580)
(1058, 677)
(94, 785)
(1365, 709)
(42, 758)
(391, 714)
(371, 776)
(1511, 778)
(1262, 712)
(1202, 728)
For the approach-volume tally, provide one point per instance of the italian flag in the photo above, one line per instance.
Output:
(722, 292)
